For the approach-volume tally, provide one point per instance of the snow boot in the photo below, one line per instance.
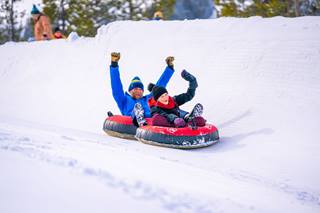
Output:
(197, 121)
(196, 112)
(139, 114)
(110, 114)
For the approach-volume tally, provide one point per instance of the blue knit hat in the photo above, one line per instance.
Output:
(35, 10)
(135, 82)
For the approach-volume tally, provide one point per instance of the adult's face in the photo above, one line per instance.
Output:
(136, 93)
(35, 16)
(164, 98)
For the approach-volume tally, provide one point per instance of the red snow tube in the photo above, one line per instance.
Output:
(183, 138)
(120, 126)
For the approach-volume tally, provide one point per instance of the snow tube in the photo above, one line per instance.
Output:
(120, 126)
(181, 138)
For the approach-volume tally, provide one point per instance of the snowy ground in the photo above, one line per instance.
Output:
(260, 85)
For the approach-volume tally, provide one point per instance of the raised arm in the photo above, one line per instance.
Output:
(167, 73)
(185, 97)
(116, 84)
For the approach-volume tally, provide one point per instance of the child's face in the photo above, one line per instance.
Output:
(164, 98)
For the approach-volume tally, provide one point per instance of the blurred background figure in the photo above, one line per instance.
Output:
(86, 17)
(42, 26)
(200, 9)
(158, 15)
(58, 34)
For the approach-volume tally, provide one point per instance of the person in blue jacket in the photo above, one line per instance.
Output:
(133, 103)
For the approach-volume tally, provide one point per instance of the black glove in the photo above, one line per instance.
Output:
(150, 86)
(187, 76)
(193, 84)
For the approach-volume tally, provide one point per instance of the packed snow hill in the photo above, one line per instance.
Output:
(259, 83)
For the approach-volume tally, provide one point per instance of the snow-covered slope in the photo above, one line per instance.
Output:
(258, 80)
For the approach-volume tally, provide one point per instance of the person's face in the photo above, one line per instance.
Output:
(35, 16)
(164, 98)
(136, 93)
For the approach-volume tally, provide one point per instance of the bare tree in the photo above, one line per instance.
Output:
(63, 15)
(10, 19)
(296, 7)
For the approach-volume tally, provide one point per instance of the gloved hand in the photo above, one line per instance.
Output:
(179, 122)
(169, 61)
(115, 57)
(187, 76)
(193, 84)
(150, 86)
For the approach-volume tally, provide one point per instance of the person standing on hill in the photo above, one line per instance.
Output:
(158, 15)
(133, 103)
(42, 26)
(58, 34)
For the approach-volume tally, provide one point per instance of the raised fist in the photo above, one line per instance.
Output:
(187, 76)
(115, 57)
(193, 84)
(150, 86)
(169, 60)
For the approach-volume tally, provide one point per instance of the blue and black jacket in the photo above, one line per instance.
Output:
(124, 100)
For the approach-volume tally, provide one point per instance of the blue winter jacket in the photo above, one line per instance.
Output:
(124, 100)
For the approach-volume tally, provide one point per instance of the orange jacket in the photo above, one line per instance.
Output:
(42, 28)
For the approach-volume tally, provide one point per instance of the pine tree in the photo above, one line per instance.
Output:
(310, 7)
(51, 9)
(85, 17)
(81, 16)
(268, 8)
(9, 26)
(129, 9)
(100, 10)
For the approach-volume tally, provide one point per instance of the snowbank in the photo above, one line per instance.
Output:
(258, 80)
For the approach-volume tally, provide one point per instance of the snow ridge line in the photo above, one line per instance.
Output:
(300, 195)
(40, 150)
